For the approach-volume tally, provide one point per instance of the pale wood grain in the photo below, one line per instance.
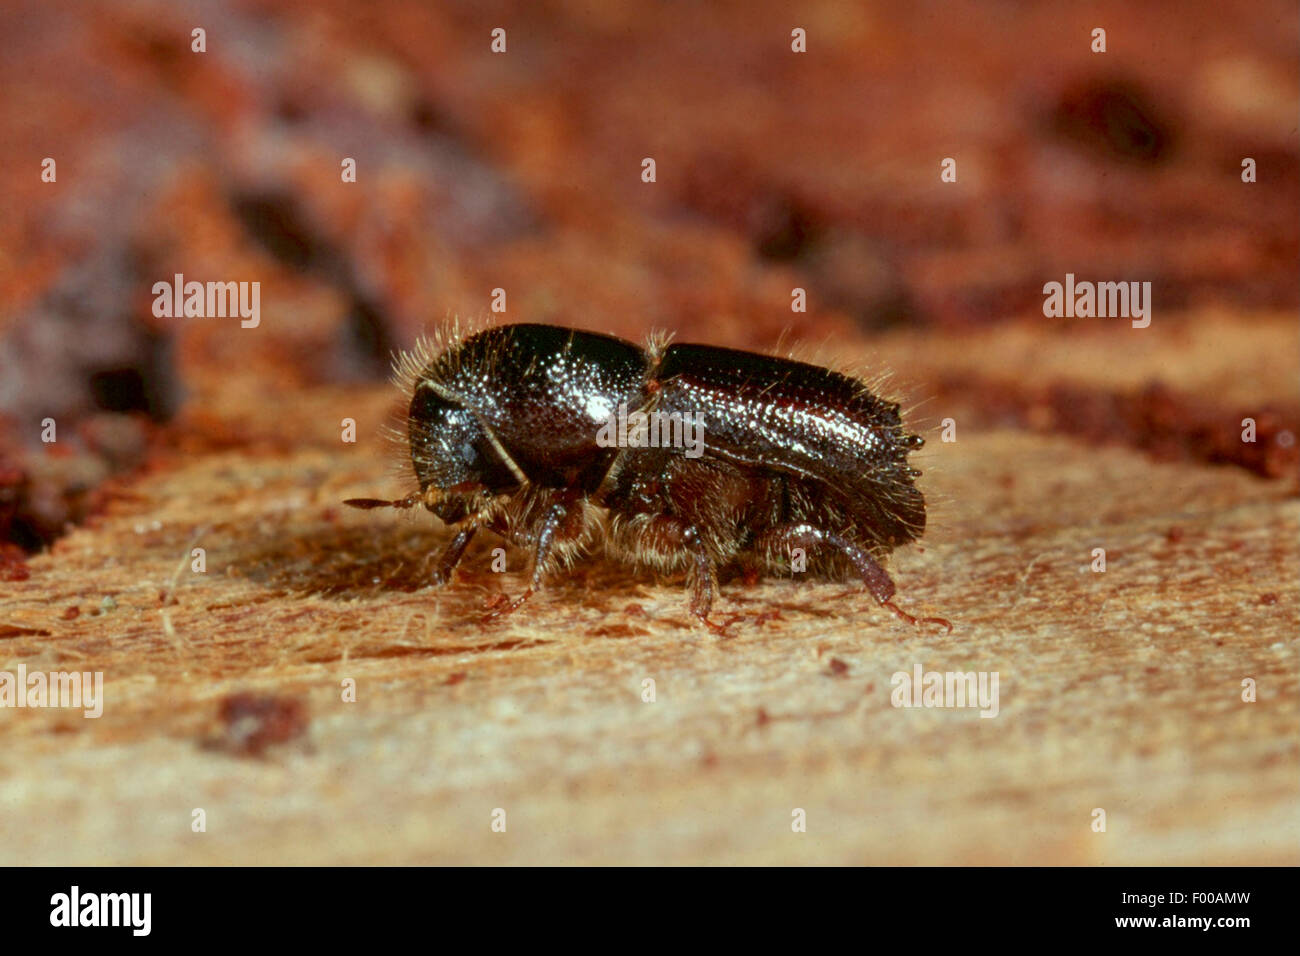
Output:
(1118, 690)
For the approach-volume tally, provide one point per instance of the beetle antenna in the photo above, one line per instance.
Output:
(410, 501)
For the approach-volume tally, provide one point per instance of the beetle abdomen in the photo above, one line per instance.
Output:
(821, 427)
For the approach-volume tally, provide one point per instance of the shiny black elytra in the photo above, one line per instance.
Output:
(503, 435)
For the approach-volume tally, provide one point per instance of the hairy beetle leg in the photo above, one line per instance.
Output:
(875, 577)
(452, 555)
(545, 539)
(705, 584)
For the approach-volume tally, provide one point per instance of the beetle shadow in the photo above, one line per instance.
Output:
(365, 562)
(343, 562)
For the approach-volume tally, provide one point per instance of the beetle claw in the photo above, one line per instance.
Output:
(915, 621)
(503, 607)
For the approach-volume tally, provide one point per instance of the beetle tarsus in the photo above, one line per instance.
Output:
(916, 622)
(506, 609)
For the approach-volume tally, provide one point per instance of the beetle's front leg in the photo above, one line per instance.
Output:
(552, 523)
(452, 554)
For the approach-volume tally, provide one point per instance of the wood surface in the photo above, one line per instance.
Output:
(1119, 690)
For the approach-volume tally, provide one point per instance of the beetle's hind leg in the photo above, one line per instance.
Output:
(777, 540)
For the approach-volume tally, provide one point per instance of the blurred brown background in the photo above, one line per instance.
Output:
(522, 171)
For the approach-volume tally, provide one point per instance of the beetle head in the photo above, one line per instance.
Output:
(457, 463)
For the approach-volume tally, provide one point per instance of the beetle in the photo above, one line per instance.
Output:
(508, 430)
